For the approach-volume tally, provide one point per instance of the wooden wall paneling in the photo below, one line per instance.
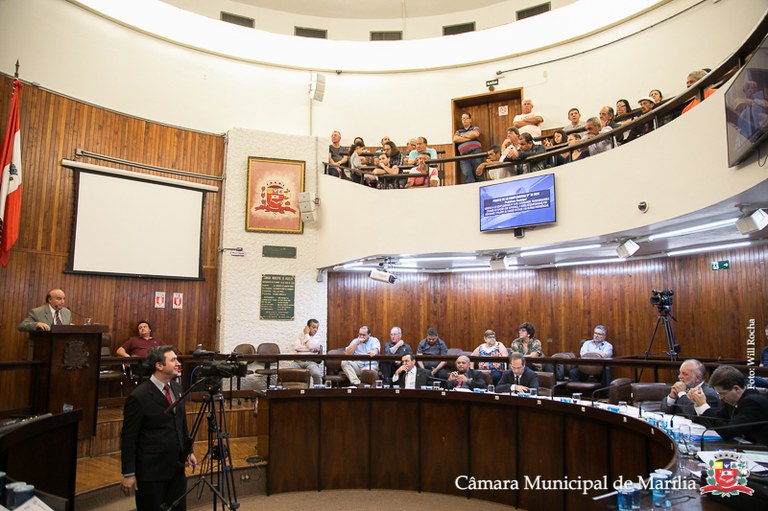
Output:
(586, 457)
(52, 128)
(444, 446)
(295, 473)
(543, 433)
(395, 444)
(493, 437)
(344, 461)
(713, 308)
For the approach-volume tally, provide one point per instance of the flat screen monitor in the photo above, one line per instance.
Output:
(746, 107)
(520, 203)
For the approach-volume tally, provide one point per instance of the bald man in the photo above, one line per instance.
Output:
(45, 316)
(464, 377)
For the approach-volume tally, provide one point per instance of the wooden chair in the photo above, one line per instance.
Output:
(333, 372)
(293, 378)
(268, 348)
(244, 349)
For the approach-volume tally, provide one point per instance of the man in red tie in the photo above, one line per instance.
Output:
(464, 377)
(155, 445)
(45, 316)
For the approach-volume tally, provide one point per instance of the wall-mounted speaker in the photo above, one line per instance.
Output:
(317, 87)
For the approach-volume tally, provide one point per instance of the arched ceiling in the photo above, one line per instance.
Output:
(365, 9)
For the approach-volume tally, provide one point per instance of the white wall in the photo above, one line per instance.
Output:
(93, 59)
(241, 276)
(342, 27)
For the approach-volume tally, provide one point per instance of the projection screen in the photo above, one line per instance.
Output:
(138, 225)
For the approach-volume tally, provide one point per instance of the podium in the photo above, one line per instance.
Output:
(70, 374)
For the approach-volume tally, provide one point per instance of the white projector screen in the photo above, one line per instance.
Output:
(134, 227)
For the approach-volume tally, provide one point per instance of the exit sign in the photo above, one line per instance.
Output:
(720, 265)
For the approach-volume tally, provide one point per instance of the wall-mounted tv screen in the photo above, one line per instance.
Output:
(746, 107)
(519, 203)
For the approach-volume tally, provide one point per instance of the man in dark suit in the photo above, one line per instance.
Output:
(464, 377)
(45, 316)
(155, 445)
(408, 376)
(742, 406)
(519, 378)
(691, 376)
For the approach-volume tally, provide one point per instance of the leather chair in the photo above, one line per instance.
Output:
(648, 396)
(621, 390)
(592, 371)
(333, 372)
(244, 349)
(112, 372)
(268, 348)
(293, 378)
(560, 371)
(369, 377)
(547, 382)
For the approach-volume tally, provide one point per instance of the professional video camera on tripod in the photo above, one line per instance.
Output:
(662, 300)
(216, 470)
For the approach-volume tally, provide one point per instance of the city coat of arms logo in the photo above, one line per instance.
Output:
(727, 475)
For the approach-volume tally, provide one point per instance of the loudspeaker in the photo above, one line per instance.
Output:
(498, 264)
(752, 223)
(317, 87)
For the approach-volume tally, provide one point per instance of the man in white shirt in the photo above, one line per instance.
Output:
(529, 121)
(363, 344)
(306, 343)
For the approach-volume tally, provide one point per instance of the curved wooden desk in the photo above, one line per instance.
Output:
(423, 440)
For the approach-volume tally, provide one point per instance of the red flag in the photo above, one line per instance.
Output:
(10, 187)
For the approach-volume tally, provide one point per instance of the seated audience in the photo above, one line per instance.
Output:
(335, 158)
(421, 146)
(395, 346)
(595, 128)
(623, 108)
(493, 157)
(572, 155)
(138, 346)
(409, 147)
(528, 148)
(464, 377)
(693, 77)
(467, 140)
(598, 344)
(384, 167)
(422, 167)
(306, 343)
(490, 348)
(574, 121)
(526, 344)
(691, 376)
(646, 105)
(363, 344)
(433, 345)
(656, 96)
(354, 162)
(606, 117)
(408, 376)
(742, 407)
(528, 121)
(519, 378)
(384, 146)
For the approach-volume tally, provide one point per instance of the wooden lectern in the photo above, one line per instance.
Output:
(70, 374)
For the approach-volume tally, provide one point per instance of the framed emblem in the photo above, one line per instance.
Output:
(273, 190)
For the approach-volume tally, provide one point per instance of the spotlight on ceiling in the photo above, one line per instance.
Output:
(752, 223)
(627, 249)
(383, 276)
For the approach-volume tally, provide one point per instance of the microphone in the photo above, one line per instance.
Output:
(596, 391)
(86, 319)
(727, 427)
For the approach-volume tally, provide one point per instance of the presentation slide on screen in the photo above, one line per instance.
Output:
(528, 201)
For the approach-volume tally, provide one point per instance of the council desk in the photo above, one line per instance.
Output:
(435, 441)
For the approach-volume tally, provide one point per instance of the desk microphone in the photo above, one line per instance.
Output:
(596, 391)
(78, 314)
(717, 429)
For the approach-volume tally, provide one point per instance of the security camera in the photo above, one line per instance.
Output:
(643, 207)
(383, 276)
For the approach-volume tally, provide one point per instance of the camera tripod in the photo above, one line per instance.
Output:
(672, 348)
(216, 470)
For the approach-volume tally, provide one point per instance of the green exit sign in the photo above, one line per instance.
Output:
(720, 265)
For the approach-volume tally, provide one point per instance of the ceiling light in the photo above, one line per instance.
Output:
(627, 249)
(696, 228)
(710, 248)
(414, 260)
(592, 261)
(470, 268)
(753, 223)
(558, 250)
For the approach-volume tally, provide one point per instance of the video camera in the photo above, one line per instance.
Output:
(662, 300)
(229, 368)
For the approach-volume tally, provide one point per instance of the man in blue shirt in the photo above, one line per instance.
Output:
(598, 344)
(363, 344)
